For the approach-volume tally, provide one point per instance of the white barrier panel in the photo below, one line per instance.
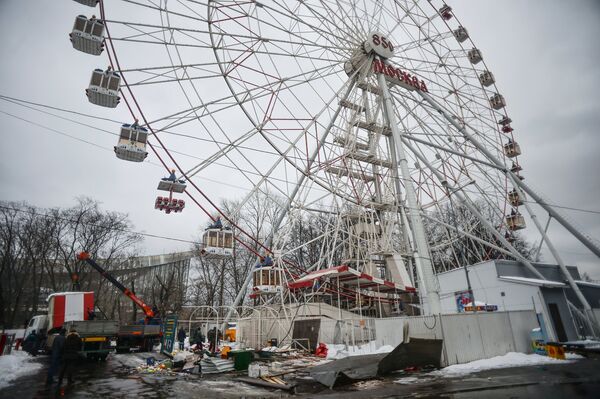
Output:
(467, 336)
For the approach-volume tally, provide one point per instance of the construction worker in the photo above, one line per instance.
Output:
(181, 335)
(217, 224)
(30, 345)
(70, 356)
(212, 340)
(267, 261)
(198, 338)
(171, 177)
(58, 346)
(91, 314)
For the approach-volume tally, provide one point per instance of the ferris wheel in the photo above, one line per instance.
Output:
(369, 119)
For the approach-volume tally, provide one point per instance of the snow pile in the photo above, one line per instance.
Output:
(341, 351)
(16, 365)
(511, 359)
(283, 348)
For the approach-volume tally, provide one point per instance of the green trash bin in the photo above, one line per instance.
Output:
(241, 359)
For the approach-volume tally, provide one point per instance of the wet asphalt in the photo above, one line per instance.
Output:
(117, 378)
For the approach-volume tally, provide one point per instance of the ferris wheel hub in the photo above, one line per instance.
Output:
(379, 44)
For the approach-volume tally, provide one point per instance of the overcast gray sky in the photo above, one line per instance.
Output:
(544, 55)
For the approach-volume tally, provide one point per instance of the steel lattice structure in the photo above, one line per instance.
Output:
(372, 118)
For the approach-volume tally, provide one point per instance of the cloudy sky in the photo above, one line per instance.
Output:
(544, 55)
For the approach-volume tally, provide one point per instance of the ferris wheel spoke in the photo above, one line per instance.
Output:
(225, 103)
(152, 6)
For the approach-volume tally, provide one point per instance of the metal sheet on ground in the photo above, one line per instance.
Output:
(416, 353)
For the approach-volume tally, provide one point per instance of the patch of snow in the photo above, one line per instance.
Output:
(573, 356)
(511, 359)
(269, 349)
(16, 365)
(407, 380)
(340, 351)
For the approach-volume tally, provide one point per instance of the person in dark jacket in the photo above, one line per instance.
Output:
(198, 338)
(58, 346)
(70, 356)
(31, 343)
(181, 337)
(214, 339)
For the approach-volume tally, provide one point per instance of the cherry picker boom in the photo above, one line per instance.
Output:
(142, 336)
(85, 256)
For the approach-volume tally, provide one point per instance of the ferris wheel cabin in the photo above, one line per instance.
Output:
(87, 35)
(515, 221)
(512, 149)
(514, 198)
(461, 34)
(217, 243)
(132, 143)
(474, 56)
(497, 101)
(487, 78)
(169, 205)
(267, 280)
(89, 3)
(104, 88)
(446, 12)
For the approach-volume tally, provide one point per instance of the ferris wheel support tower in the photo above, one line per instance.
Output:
(421, 250)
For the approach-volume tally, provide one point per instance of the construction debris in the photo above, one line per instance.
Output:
(415, 353)
(213, 365)
(267, 382)
(152, 366)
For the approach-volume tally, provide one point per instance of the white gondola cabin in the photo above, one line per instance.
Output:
(474, 56)
(446, 12)
(88, 35)
(461, 34)
(90, 3)
(497, 101)
(514, 198)
(267, 280)
(217, 243)
(512, 149)
(132, 143)
(515, 221)
(487, 78)
(104, 88)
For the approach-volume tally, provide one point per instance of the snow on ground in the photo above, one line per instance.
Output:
(341, 351)
(15, 365)
(511, 359)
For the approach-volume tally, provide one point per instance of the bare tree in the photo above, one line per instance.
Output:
(38, 248)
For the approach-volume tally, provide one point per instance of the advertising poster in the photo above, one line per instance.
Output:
(169, 331)
(462, 299)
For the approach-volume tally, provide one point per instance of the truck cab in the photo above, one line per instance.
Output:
(39, 324)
